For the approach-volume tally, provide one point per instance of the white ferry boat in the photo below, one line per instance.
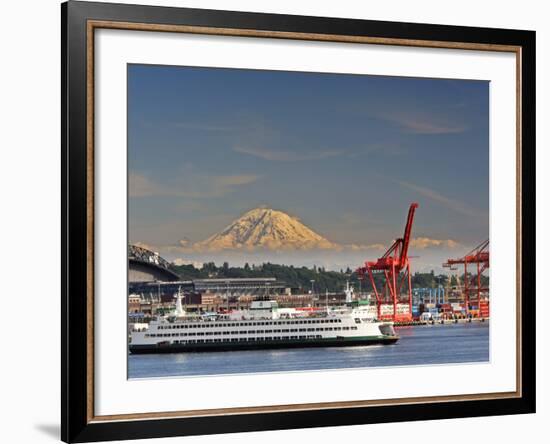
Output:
(263, 326)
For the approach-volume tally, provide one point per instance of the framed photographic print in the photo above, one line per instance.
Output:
(276, 221)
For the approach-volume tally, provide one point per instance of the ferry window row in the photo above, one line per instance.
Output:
(259, 339)
(244, 332)
(246, 324)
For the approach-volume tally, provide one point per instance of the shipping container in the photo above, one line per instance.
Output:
(403, 309)
(484, 309)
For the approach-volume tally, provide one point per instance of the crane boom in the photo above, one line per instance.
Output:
(394, 266)
(407, 233)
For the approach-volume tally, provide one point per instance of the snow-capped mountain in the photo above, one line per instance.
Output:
(265, 228)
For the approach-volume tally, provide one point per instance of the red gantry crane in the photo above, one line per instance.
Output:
(480, 257)
(391, 265)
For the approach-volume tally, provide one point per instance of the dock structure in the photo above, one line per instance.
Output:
(229, 286)
(473, 289)
(239, 285)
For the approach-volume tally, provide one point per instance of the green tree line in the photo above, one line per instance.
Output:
(299, 278)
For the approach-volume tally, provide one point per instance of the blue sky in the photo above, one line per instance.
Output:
(347, 154)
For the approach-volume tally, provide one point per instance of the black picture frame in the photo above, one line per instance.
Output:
(77, 328)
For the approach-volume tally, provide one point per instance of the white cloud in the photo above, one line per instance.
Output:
(455, 205)
(180, 261)
(190, 185)
(184, 242)
(359, 247)
(141, 186)
(416, 123)
(279, 155)
(422, 243)
(204, 127)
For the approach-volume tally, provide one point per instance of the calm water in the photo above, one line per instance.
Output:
(437, 344)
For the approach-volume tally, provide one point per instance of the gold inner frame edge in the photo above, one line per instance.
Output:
(92, 25)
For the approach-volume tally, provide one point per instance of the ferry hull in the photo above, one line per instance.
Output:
(262, 345)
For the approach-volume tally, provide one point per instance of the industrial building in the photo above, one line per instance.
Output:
(152, 285)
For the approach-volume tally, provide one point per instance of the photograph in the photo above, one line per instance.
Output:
(287, 221)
